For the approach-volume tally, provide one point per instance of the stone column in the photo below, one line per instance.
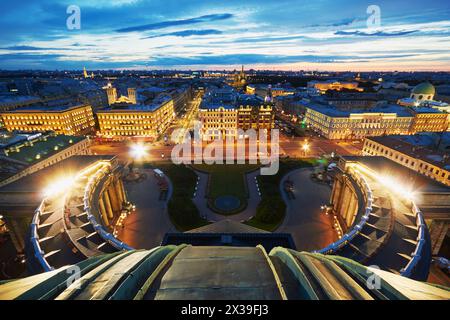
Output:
(122, 190)
(118, 192)
(107, 202)
(352, 209)
(101, 207)
(113, 196)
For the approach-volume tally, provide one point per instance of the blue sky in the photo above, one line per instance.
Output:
(210, 34)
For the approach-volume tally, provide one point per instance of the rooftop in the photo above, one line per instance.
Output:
(219, 273)
(386, 167)
(435, 157)
(335, 112)
(59, 108)
(39, 180)
(42, 148)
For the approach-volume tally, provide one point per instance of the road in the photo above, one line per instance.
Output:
(145, 228)
(310, 228)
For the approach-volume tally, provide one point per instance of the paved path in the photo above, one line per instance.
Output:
(310, 228)
(250, 211)
(145, 228)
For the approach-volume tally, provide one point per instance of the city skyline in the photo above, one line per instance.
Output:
(286, 35)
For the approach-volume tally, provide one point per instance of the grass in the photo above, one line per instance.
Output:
(182, 211)
(271, 210)
(227, 179)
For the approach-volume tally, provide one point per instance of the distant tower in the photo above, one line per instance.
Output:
(268, 97)
(112, 94)
(85, 74)
(132, 95)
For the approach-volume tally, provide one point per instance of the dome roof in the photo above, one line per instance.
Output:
(424, 88)
(216, 272)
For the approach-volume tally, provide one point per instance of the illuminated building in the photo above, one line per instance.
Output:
(238, 79)
(261, 90)
(324, 86)
(357, 124)
(132, 95)
(403, 150)
(428, 120)
(68, 120)
(33, 152)
(130, 120)
(111, 92)
(223, 112)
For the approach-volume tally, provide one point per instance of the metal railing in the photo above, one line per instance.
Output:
(417, 253)
(38, 252)
(353, 232)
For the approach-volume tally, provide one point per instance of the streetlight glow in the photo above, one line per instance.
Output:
(138, 151)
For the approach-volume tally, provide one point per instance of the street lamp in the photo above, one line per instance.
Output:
(305, 148)
(138, 151)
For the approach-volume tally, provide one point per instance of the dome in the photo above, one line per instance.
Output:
(424, 88)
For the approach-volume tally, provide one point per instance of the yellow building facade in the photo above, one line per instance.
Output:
(223, 122)
(69, 121)
(142, 121)
(430, 122)
(357, 125)
(334, 85)
(416, 159)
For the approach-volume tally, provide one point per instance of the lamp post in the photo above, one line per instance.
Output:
(305, 148)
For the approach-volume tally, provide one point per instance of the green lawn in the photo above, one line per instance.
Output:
(227, 179)
(182, 211)
(271, 210)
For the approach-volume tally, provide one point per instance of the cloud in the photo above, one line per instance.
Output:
(172, 23)
(28, 48)
(376, 33)
(187, 33)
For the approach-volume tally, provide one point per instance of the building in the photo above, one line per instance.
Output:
(68, 120)
(324, 86)
(223, 112)
(423, 91)
(428, 119)
(333, 123)
(261, 90)
(238, 79)
(432, 163)
(11, 102)
(24, 154)
(111, 93)
(123, 120)
(253, 113)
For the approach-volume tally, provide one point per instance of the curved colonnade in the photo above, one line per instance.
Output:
(72, 224)
(386, 229)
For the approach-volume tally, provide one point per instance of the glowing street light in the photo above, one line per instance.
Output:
(305, 147)
(138, 151)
